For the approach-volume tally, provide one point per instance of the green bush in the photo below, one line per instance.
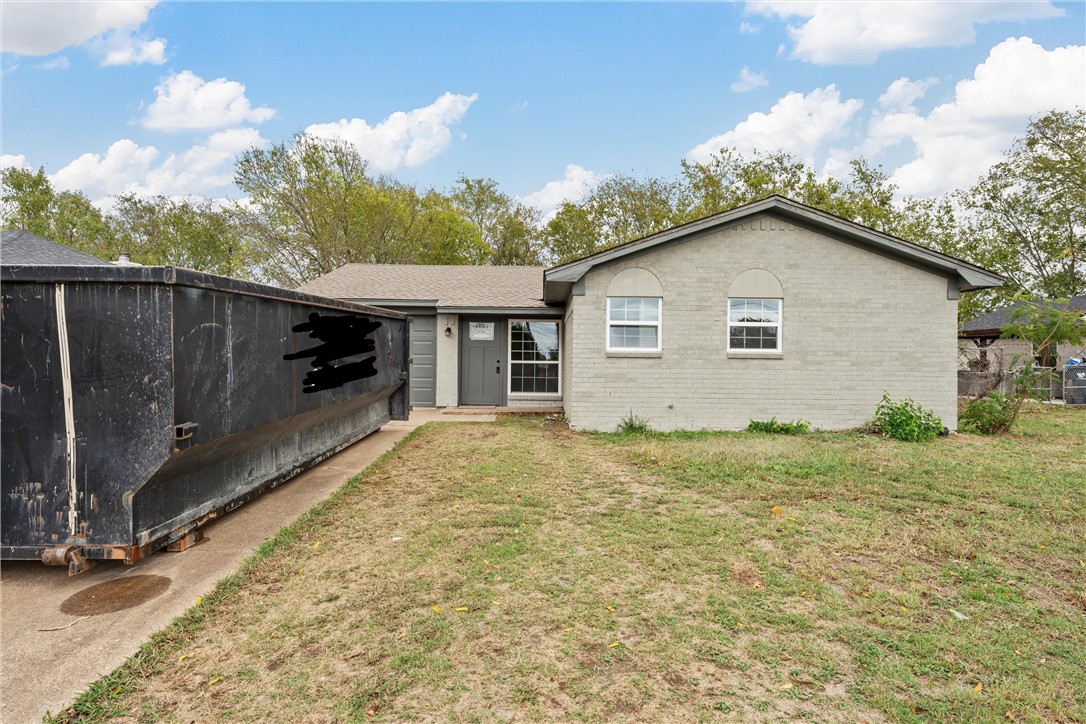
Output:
(634, 425)
(906, 420)
(780, 428)
(989, 414)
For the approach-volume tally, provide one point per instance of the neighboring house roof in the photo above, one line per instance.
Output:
(448, 288)
(992, 323)
(21, 248)
(560, 279)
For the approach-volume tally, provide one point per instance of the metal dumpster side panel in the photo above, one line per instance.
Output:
(205, 481)
(119, 373)
(152, 348)
(255, 424)
(34, 504)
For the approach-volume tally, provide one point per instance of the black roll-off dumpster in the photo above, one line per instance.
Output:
(139, 402)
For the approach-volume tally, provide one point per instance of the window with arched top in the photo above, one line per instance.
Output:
(755, 309)
(634, 312)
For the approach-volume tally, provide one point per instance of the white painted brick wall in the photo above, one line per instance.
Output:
(447, 384)
(855, 324)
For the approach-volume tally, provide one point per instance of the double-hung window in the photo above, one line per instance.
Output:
(754, 325)
(633, 324)
(534, 358)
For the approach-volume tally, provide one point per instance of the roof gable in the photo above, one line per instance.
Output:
(559, 279)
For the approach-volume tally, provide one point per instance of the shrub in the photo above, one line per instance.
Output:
(634, 425)
(906, 420)
(780, 428)
(989, 414)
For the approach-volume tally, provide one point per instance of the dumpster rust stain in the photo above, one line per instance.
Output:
(116, 595)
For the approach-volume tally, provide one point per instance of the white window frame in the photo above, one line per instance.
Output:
(509, 356)
(659, 324)
(779, 325)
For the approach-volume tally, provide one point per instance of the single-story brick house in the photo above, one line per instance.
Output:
(773, 309)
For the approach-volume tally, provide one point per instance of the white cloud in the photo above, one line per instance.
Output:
(127, 167)
(31, 27)
(404, 138)
(185, 101)
(748, 81)
(856, 32)
(577, 182)
(749, 28)
(115, 172)
(959, 140)
(797, 123)
(124, 47)
(9, 160)
(61, 63)
(903, 92)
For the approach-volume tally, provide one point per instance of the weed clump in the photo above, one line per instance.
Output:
(798, 427)
(633, 425)
(906, 420)
(991, 414)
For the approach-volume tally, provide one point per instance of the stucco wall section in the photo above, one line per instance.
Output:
(854, 324)
(447, 382)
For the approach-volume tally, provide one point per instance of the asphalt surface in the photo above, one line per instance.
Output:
(58, 634)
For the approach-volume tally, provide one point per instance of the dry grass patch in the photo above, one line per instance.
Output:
(520, 571)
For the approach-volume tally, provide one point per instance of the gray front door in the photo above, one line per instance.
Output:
(423, 357)
(482, 362)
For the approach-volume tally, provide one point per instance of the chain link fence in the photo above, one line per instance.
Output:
(985, 370)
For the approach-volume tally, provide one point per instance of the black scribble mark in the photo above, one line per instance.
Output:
(341, 336)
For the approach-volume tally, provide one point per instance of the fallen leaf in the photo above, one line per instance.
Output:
(1010, 715)
(117, 690)
(199, 600)
(614, 645)
(216, 680)
(182, 657)
(792, 519)
(787, 686)
(462, 608)
(317, 544)
(567, 630)
(776, 510)
(610, 608)
(978, 687)
(436, 608)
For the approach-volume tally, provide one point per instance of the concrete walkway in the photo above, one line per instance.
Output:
(48, 656)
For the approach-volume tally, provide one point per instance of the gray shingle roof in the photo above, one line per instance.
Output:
(494, 287)
(21, 248)
(995, 321)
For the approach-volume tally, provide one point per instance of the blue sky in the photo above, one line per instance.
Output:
(547, 99)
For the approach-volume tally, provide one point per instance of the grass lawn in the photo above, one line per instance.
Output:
(518, 571)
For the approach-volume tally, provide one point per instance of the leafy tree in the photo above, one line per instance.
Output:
(620, 209)
(188, 233)
(29, 202)
(508, 228)
(1028, 213)
(1043, 325)
(312, 208)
